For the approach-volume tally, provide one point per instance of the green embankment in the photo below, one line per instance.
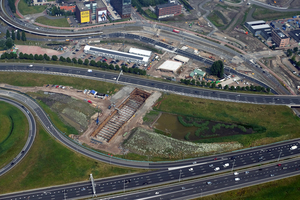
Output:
(279, 121)
(53, 22)
(50, 163)
(25, 9)
(13, 132)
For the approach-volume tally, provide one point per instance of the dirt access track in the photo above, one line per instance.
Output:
(114, 146)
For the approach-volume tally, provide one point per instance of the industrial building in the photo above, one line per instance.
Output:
(128, 57)
(295, 35)
(170, 66)
(266, 34)
(92, 11)
(140, 52)
(257, 27)
(181, 59)
(123, 7)
(197, 74)
(280, 39)
(168, 10)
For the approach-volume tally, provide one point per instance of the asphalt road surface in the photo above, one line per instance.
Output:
(158, 85)
(30, 139)
(222, 183)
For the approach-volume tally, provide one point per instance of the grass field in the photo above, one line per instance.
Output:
(26, 10)
(287, 189)
(214, 18)
(53, 22)
(279, 121)
(50, 163)
(31, 80)
(13, 132)
(266, 14)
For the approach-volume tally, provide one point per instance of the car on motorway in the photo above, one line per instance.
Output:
(183, 188)
(226, 165)
(279, 165)
(271, 175)
(284, 168)
(195, 162)
(191, 169)
(246, 172)
(156, 192)
(293, 147)
(89, 70)
(215, 158)
(217, 169)
(237, 179)
(235, 173)
(30, 65)
(208, 183)
(211, 165)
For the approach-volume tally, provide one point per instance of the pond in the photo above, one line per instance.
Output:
(170, 124)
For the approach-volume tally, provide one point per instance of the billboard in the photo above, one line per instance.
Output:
(102, 15)
(85, 16)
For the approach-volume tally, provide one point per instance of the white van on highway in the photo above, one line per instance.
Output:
(89, 70)
(293, 147)
(30, 65)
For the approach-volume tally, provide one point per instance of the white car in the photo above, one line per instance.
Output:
(191, 169)
(237, 179)
(246, 172)
(217, 169)
(235, 173)
(156, 192)
(30, 65)
(293, 147)
(226, 165)
(89, 70)
(211, 165)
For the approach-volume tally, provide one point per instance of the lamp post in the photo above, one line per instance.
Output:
(179, 175)
(279, 155)
(233, 165)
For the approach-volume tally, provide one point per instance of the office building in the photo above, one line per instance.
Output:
(168, 10)
(123, 7)
(279, 38)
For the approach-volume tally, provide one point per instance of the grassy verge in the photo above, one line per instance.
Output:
(266, 14)
(13, 132)
(40, 167)
(31, 80)
(150, 13)
(287, 189)
(214, 18)
(25, 9)
(53, 22)
(279, 121)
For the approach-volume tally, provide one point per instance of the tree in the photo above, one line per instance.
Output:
(112, 67)
(23, 36)
(243, 88)
(4, 55)
(125, 69)
(247, 88)
(86, 62)
(238, 87)
(208, 84)
(7, 34)
(193, 82)
(45, 56)
(69, 60)
(80, 61)
(98, 64)
(294, 59)
(9, 43)
(18, 35)
(26, 56)
(217, 69)
(30, 57)
(54, 58)
(93, 63)
(232, 87)
(11, 4)
(41, 57)
(213, 85)
(226, 87)
(13, 35)
(296, 49)
(117, 68)
(289, 52)
(74, 60)
(220, 86)
(130, 70)
(36, 57)
(202, 83)
(252, 88)
(298, 64)
(268, 90)
(21, 55)
(197, 83)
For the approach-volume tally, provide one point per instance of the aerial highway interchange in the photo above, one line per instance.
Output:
(166, 172)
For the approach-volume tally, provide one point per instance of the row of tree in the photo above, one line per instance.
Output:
(6, 43)
(99, 64)
(13, 35)
(226, 87)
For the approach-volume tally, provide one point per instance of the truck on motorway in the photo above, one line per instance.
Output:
(67, 40)
(176, 31)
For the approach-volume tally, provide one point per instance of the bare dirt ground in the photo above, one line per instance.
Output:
(37, 50)
(295, 4)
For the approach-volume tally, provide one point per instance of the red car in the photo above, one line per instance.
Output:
(57, 86)
(279, 165)
(215, 158)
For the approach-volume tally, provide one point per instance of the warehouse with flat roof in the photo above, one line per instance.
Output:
(128, 57)
(140, 52)
(170, 66)
(181, 59)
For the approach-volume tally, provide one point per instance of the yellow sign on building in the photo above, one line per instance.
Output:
(85, 16)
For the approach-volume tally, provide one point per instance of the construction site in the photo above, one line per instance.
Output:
(120, 115)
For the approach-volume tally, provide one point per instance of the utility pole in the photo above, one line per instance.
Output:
(124, 185)
(233, 165)
(279, 155)
(179, 175)
(121, 73)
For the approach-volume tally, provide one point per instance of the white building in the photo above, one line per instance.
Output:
(128, 57)
(181, 59)
(170, 66)
(140, 52)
